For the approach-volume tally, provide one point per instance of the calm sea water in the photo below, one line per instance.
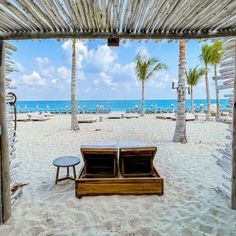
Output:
(114, 105)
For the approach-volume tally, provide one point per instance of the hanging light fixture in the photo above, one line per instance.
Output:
(113, 42)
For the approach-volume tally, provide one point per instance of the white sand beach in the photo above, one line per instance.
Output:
(189, 206)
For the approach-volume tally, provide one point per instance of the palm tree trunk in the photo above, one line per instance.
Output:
(142, 97)
(217, 94)
(192, 107)
(74, 121)
(208, 112)
(180, 128)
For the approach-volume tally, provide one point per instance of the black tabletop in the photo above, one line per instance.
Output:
(66, 161)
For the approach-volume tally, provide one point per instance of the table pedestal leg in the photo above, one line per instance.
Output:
(74, 172)
(57, 174)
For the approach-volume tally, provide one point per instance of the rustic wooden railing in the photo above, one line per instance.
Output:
(225, 156)
(8, 163)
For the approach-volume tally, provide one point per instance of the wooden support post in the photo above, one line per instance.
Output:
(233, 191)
(4, 145)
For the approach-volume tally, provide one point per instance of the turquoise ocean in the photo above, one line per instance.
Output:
(113, 105)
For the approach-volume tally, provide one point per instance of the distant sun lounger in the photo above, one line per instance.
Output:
(131, 116)
(189, 117)
(38, 117)
(114, 116)
(165, 116)
(86, 120)
(22, 118)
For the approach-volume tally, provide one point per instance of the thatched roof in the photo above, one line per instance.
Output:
(137, 19)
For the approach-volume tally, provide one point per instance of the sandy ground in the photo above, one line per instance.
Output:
(190, 205)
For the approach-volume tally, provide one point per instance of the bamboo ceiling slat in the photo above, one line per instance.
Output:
(136, 16)
(56, 13)
(131, 16)
(115, 13)
(120, 10)
(167, 13)
(128, 19)
(142, 15)
(125, 19)
(71, 16)
(150, 14)
(214, 16)
(82, 14)
(91, 15)
(97, 12)
(104, 15)
(108, 12)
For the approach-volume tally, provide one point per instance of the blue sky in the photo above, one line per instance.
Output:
(102, 72)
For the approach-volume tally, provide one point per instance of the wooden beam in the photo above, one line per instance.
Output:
(122, 35)
(4, 145)
(233, 191)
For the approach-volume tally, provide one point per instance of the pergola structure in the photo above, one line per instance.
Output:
(91, 19)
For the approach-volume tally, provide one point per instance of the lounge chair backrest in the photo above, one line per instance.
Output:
(135, 152)
(137, 161)
(99, 161)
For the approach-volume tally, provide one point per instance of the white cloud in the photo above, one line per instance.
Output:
(161, 80)
(64, 74)
(41, 61)
(33, 79)
(100, 66)
(18, 67)
(81, 51)
(106, 78)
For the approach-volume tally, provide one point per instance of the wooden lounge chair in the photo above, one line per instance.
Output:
(136, 161)
(100, 161)
(140, 181)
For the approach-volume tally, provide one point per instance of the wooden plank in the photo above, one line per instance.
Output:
(233, 192)
(4, 145)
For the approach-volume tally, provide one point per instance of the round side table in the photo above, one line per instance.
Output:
(66, 161)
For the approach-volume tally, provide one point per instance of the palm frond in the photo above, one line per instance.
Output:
(145, 68)
(217, 52)
(193, 75)
(206, 54)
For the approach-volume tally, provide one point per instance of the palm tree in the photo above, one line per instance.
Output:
(74, 121)
(206, 57)
(180, 126)
(193, 76)
(145, 69)
(215, 60)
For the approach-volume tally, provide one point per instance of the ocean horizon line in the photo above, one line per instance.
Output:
(59, 100)
(112, 105)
